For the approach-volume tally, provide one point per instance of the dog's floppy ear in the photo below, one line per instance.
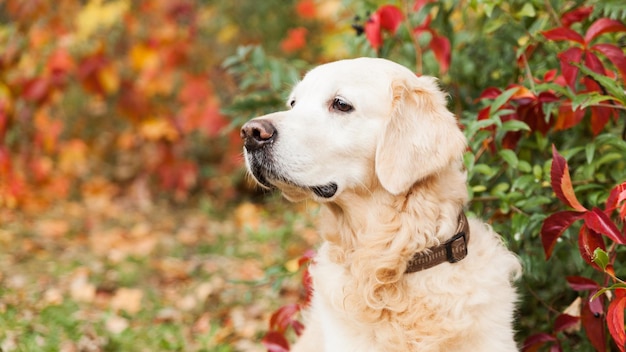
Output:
(421, 138)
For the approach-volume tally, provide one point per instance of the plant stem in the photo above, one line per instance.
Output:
(529, 74)
(551, 11)
(418, 49)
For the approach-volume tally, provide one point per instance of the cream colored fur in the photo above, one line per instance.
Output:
(396, 161)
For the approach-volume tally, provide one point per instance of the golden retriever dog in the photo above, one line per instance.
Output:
(400, 267)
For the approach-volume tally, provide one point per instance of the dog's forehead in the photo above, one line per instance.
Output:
(355, 74)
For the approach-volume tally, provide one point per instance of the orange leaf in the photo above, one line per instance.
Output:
(562, 183)
(615, 319)
(296, 40)
(306, 9)
(568, 118)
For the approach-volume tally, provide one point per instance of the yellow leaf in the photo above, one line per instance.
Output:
(142, 57)
(99, 15)
(227, 33)
(292, 266)
(155, 129)
(109, 79)
(248, 215)
(73, 157)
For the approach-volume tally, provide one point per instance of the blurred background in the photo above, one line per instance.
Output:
(127, 221)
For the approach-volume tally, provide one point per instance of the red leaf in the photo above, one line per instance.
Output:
(90, 70)
(547, 97)
(563, 33)
(298, 327)
(308, 256)
(534, 342)
(556, 348)
(307, 283)
(588, 241)
(274, 341)
(596, 305)
(568, 70)
(554, 226)
(390, 18)
(561, 182)
(37, 89)
(424, 27)
(295, 40)
(490, 93)
(440, 46)
(373, 32)
(601, 26)
(283, 317)
(615, 318)
(550, 75)
(387, 17)
(579, 283)
(306, 9)
(617, 196)
(565, 321)
(600, 116)
(59, 64)
(615, 55)
(577, 15)
(594, 63)
(598, 221)
(484, 113)
(594, 326)
(568, 118)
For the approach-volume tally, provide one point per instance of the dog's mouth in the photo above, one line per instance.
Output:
(270, 177)
(325, 191)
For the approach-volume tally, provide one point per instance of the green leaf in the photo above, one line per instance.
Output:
(585, 100)
(475, 125)
(500, 188)
(479, 188)
(565, 91)
(514, 126)
(609, 157)
(523, 183)
(524, 166)
(276, 78)
(537, 171)
(503, 98)
(601, 258)
(611, 85)
(509, 156)
(527, 11)
(468, 160)
(590, 150)
(484, 169)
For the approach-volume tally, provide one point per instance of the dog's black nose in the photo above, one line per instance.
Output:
(257, 133)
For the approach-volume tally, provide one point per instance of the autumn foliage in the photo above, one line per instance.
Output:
(141, 100)
(95, 94)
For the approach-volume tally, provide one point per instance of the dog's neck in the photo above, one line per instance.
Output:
(424, 216)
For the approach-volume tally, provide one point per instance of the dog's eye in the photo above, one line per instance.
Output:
(292, 103)
(341, 105)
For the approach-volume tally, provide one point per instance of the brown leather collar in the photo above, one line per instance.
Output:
(452, 251)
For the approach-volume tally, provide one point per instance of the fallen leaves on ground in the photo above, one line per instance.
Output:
(105, 274)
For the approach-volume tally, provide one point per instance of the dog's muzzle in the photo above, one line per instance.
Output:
(258, 136)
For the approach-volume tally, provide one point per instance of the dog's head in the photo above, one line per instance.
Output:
(353, 124)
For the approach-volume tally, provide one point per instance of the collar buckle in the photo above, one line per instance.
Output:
(456, 248)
